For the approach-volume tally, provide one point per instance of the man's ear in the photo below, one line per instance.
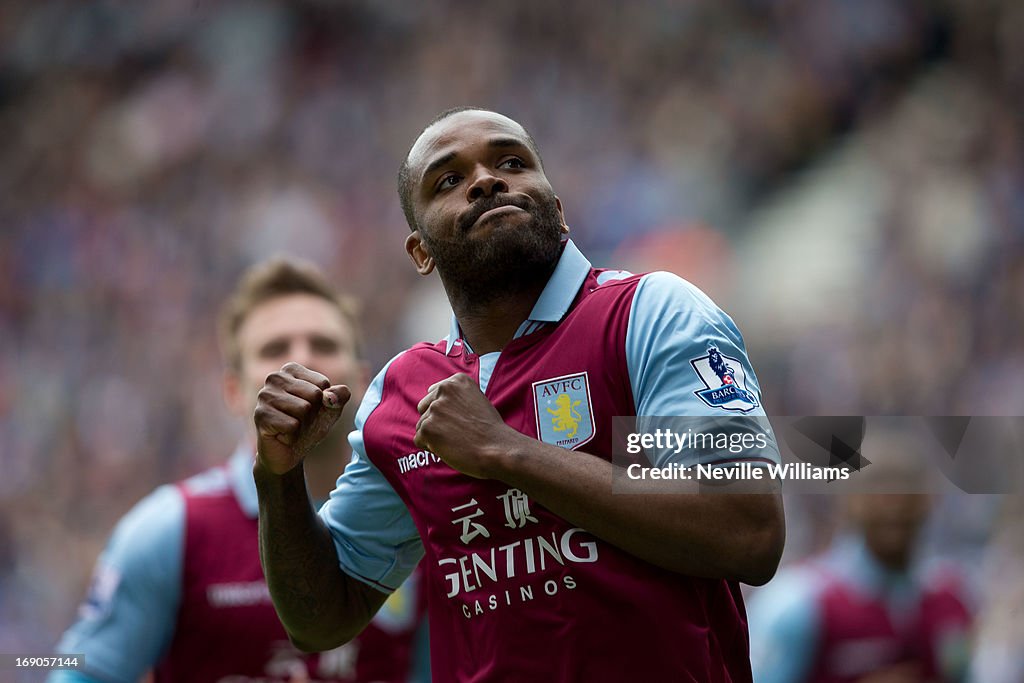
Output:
(561, 215)
(419, 254)
(233, 395)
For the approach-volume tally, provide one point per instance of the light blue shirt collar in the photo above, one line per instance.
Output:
(553, 302)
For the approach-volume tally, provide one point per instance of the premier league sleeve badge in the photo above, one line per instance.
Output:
(725, 382)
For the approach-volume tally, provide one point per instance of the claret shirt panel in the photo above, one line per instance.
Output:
(515, 591)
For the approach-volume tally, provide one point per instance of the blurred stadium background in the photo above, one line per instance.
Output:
(845, 177)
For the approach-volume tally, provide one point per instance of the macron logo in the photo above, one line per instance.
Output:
(413, 461)
(238, 594)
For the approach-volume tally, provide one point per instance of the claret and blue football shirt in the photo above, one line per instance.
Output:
(516, 592)
(179, 589)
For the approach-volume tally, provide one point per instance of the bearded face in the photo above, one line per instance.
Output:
(488, 256)
(483, 212)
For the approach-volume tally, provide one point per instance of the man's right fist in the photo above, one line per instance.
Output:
(295, 410)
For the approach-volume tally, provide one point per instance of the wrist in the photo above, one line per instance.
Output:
(262, 472)
(507, 454)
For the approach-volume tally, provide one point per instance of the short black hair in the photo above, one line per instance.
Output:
(405, 180)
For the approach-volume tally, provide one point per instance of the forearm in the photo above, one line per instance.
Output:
(319, 605)
(737, 536)
(713, 534)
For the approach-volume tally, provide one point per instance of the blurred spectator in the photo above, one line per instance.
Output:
(865, 612)
(179, 590)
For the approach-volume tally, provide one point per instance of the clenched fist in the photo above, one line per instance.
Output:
(459, 425)
(295, 410)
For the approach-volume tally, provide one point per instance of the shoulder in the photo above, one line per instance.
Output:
(413, 357)
(159, 515)
(662, 291)
(412, 360)
(649, 295)
(144, 550)
(655, 290)
(419, 364)
(128, 615)
(945, 581)
(604, 286)
(672, 315)
(208, 482)
(375, 391)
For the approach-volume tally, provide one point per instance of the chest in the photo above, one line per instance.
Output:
(561, 385)
(224, 590)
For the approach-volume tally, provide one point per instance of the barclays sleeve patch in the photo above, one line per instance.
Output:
(725, 382)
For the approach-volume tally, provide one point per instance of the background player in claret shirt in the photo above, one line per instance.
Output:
(489, 451)
(179, 588)
(867, 611)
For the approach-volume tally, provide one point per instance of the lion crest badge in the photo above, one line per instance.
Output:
(562, 406)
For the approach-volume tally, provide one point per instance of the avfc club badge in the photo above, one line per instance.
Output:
(564, 414)
(725, 382)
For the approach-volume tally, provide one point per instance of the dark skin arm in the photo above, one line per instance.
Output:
(735, 536)
(320, 606)
(720, 536)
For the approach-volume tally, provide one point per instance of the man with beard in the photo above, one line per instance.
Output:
(489, 453)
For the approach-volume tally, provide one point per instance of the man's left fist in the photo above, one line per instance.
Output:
(459, 425)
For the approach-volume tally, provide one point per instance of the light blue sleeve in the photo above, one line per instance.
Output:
(128, 617)
(686, 359)
(373, 532)
(783, 621)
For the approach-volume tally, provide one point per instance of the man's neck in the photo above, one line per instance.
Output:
(492, 326)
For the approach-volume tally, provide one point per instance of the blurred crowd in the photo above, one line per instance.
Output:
(845, 177)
